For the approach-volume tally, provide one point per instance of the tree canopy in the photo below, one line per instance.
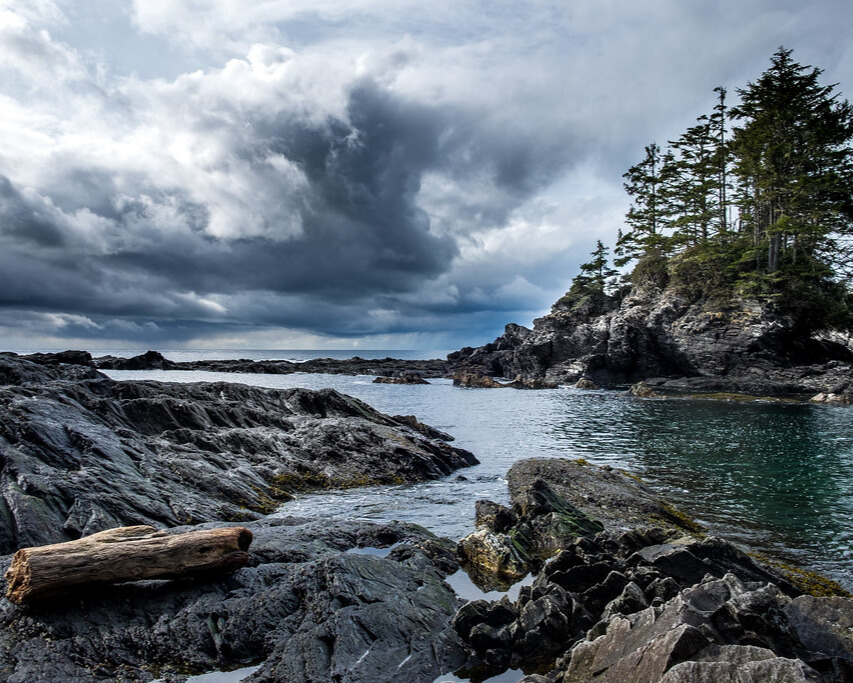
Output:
(755, 200)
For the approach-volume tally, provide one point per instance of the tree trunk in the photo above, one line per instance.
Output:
(124, 554)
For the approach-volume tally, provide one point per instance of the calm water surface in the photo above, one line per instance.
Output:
(776, 477)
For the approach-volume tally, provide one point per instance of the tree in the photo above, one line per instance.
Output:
(693, 185)
(595, 280)
(723, 157)
(596, 273)
(793, 163)
(648, 213)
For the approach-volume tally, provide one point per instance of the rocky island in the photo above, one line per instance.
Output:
(732, 272)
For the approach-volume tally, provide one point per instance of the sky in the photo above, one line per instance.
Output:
(382, 174)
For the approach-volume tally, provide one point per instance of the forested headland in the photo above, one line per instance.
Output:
(753, 202)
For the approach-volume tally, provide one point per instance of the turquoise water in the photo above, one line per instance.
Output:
(777, 478)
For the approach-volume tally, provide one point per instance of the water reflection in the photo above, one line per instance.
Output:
(775, 475)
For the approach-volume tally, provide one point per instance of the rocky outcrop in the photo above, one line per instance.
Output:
(619, 600)
(383, 367)
(150, 360)
(407, 377)
(316, 604)
(655, 333)
(80, 453)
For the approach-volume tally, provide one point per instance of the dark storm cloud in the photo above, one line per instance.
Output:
(363, 238)
(410, 167)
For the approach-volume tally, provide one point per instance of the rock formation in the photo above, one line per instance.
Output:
(80, 453)
(617, 599)
(656, 333)
(305, 609)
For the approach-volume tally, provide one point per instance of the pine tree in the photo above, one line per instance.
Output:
(595, 281)
(793, 163)
(693, 185)
(722, 159)
(648, 214)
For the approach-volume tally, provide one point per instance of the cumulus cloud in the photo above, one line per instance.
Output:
(347, 170)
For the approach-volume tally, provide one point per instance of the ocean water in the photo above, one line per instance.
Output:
(773, 477)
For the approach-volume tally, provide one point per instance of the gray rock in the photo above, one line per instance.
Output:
(745, 347)
(644, 605)
(80, 453)
(305, 609)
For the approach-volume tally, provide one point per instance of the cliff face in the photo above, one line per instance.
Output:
(657, 333)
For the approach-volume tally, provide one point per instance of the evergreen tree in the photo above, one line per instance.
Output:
(648, 214)
(794, 165)
(722, 159)
(595, 280)
(596, 273)
(693, 185)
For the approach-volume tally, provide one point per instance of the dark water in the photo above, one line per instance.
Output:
(776, 477)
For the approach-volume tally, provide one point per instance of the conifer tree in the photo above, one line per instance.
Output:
(647, 217)
(793, 163)
(693, 185)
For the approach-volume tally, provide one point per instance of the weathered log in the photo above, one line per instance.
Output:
(128, 553)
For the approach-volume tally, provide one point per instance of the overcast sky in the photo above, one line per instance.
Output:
(342, 173)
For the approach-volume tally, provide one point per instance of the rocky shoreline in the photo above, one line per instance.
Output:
(383, 367)
(625, 586)
(678, 345)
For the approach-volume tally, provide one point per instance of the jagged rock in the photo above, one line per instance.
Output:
(721, 629)
(306, 610)
(80, 453)
(656, 333)
(831, 398)
(643, 390)
(476, 380)
(487, 554)
(402, 378)
(584, 383)
(494, 517)
(645, 604)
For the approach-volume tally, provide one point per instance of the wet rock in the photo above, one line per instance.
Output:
(613, 498)
(82, 453)
(585, 383)
(476, 380)
(494, 517)
(486, 554)
(305, 609)
(831, 398)
(647, 604)
(654, 332)
(643, 390)
(404, 378)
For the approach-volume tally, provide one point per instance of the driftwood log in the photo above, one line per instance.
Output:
(127, 553)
